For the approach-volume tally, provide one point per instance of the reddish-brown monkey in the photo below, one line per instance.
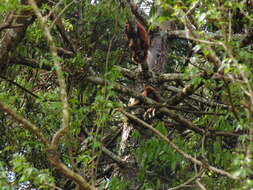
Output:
(139, 41)
(149, 92)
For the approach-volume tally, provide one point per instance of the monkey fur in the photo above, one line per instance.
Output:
(138, 41)
(149, 92)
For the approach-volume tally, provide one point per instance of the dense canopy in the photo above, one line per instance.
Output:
(126, 95)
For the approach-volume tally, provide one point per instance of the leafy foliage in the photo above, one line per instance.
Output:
(208, 42)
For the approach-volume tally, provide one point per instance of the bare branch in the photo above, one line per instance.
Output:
(209, 36)
(172, 77)
(126, 72)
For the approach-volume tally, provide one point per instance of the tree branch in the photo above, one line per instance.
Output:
(30, 63)
(199, 98)
(177, 149)
(200, 185)
(124, 90)
(162, 108)
(187, 91)
(52, 156)
(61, 29)
(62, 84)
(9, 26)
(25, 123)
(70, 174)
(114, 157)
(19, 86)
(14, 35)
(188, 181)
(138, 13)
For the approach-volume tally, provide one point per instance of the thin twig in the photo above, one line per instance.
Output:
(243, 12)
(192, 9)
(231, 101)
(63, 10)
(19, 86)
(188, 181)
(60, 27)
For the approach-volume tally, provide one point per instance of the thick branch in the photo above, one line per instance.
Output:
(127, 73)
(183, 34)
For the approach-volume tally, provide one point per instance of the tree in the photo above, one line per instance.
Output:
(89, 101)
